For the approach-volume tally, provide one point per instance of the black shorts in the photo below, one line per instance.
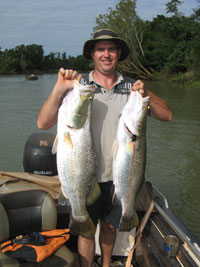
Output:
(103, 208)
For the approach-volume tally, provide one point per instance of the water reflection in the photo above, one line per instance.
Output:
(173, 152)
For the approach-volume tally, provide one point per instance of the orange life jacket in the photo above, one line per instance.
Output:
(28, 249)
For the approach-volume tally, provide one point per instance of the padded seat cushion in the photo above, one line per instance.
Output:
(22, 212)
(26, 211)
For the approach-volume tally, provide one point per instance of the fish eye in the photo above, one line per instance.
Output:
(91, 97)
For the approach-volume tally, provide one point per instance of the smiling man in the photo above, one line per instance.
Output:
(112, 92)
(105, 56)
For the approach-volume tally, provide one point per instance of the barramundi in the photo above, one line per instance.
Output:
(76, 157)
(129, 158)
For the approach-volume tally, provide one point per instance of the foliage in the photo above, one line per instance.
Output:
(31, 59)
(172, 7)
(127, 24)
(170, 42)
(196, 14)
(165, 45)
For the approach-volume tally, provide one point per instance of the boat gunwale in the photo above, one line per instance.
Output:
(190, 242)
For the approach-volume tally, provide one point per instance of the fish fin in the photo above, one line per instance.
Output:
(116, 201)
(85, 228)
(67, 140)
(62, 200)
(96, 192)
(55, 145)
(130, 146)
(128, 222)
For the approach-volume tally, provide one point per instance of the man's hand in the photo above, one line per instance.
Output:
(139, 86)
(158, 106)
(66, 79)
(49, 111)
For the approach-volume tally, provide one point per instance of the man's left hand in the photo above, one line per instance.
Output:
(139, 86)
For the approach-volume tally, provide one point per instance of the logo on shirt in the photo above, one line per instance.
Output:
(123, 88)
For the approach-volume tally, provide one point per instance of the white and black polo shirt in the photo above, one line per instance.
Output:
(106, 109)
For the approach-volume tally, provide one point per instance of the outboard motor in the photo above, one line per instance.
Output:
(37, 157)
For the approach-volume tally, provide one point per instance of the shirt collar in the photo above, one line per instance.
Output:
(120, 78)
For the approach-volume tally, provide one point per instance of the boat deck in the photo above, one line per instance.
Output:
(159, 223)
(150, 251)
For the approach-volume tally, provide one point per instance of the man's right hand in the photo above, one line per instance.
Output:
(47, 116)
(66, 79)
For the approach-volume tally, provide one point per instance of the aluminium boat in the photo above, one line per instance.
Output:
(161, 239)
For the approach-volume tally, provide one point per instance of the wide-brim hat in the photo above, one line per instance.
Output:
(105, 35)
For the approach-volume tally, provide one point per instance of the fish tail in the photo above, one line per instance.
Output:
(128, 222)
(85, 228)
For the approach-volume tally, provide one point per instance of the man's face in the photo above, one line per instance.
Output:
(105, 56)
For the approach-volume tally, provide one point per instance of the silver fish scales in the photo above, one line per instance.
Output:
(76, 158)
(129, 158)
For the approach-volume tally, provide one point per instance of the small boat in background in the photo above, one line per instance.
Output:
(31, 77)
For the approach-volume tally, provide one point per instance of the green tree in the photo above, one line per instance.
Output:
(172, 7)
(169, 42)
(196, 14)
(34, 55)
(28, 58)
(125, 21)
(8, 62)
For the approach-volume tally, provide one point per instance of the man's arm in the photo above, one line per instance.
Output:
(158, 106)
(48, 114)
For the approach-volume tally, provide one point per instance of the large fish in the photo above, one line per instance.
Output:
(76, 158)
(129, 158)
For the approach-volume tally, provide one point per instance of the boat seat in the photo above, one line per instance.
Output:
(23, 212)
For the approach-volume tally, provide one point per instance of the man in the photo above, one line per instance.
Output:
(111, 94)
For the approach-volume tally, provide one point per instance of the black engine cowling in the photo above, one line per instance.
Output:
(37, 157)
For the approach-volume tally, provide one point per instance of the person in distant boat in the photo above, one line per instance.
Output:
(112, 91)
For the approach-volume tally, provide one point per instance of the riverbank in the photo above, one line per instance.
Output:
(191, 78)
(188, 78)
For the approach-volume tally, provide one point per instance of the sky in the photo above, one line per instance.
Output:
(64, 25)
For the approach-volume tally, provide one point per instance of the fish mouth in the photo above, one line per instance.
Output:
(90, 89)
(72, 128)
(133, 136)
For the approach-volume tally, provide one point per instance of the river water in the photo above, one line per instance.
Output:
(173, 148)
